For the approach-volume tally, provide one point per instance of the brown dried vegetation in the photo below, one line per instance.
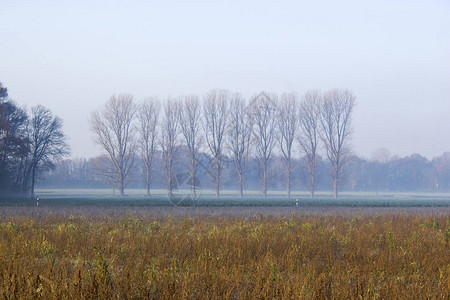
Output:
(233, 257)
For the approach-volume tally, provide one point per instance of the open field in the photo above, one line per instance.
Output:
(206, 193)
(136, 197)
(88, 244)
(224, 252)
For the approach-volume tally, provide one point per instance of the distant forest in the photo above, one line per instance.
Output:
(410, 173)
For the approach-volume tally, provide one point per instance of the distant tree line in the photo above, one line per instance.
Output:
(31, 142)
(413, 173)
(223, 130)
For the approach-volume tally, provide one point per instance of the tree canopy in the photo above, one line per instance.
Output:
(30, 143)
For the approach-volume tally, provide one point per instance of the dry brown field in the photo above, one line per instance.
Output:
(224, 253)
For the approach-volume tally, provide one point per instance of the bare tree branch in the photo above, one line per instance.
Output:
(47, 142)
(113, 132)
(336, 128)
(215, 113)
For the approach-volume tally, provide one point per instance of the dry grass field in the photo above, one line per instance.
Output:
(369, 255)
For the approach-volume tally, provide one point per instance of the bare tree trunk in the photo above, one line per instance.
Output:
(241, 190)
(288, 179)
(335, 188)
(147, 181)
(121, 187)
(313, 182)
(336, 175)
(193, 183)
(169, 174)
(217, 181)
(265, 175)
(169, 184)
(33, 180)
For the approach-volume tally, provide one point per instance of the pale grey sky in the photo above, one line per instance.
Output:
(71, 56)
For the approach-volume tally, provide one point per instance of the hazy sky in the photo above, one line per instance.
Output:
(71, 56)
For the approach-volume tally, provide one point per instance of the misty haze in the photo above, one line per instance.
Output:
(233, 150)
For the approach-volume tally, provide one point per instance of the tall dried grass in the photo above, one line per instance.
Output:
(233, 257)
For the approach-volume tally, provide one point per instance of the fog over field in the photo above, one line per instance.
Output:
(393, 55)
(231, 149)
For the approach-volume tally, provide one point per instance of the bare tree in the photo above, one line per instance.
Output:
(215, 113)
(113, 132)
(239, 136)
(190, 120)
(335, 119)
(148, 118)
(169, 141)
(287, 123)
(308, 137)
(262, 110)
(47, 142)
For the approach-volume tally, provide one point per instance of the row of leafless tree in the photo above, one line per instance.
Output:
(224, 124)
